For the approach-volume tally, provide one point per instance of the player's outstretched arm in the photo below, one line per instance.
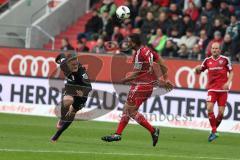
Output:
(166, 84)
(226, 86)
(163, 68)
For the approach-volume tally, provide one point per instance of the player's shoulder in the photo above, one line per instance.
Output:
(207, 59)
(225, 58)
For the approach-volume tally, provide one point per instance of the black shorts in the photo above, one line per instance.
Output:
(79, 102)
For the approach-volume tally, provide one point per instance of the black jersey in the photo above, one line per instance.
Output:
(74, 81)
(78, 81)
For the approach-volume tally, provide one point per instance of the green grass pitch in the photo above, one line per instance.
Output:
(27, 138)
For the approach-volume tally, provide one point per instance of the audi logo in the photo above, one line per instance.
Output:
(34, 65)
(191, 77)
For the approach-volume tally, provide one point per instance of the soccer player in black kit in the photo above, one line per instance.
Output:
(76, 90)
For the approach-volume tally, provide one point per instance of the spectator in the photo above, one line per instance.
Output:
(99, 48)
(117, 36)
(224, 12)
(217, 26)
(189, 39)
(126, 28)
(158, 40)
(163, 21)
(170, 49)
(93, 26)
(107, 28)
(192, 11)
(196, 53)
(197, 3)
(108, 6)
(144, 8)
(203, 40)
(81, 46)
(125, 50)
(187, 23)
(234, 28)
(134, 8)
(66, 45)
(148, 26)
(176, 22)
(173, 8)
(183, 51)
(217, 38)
(229, 48)
(209, 11)
(203, 24)
(174, 33)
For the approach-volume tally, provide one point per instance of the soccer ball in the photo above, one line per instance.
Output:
(123, 12)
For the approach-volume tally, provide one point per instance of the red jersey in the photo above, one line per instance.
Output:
(217, 72)
(143, 61)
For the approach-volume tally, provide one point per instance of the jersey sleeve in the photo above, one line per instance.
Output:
(204, 65)
(229, 65)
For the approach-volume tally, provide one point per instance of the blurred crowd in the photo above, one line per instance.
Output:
(173, 28)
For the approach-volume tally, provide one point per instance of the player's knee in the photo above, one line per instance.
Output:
(67, 100)
(131, 110)
(209, 110)
(209, 107)
(221, 111)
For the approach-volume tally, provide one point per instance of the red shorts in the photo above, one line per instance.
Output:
(139, 93)
(219, 97)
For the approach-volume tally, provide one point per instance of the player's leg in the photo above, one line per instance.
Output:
(67, 116)
(123, 121)
(210, 105)
(219, 118)
(65, 105)
(136, 96)
(211, 116)
(121, 126)
(140, 119)
(222, 100)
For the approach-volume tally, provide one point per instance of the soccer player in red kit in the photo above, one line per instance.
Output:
(142, 81)
(219, 81)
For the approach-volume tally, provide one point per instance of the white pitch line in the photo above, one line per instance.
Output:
(119, 154)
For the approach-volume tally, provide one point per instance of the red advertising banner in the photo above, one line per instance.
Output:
(101, 68)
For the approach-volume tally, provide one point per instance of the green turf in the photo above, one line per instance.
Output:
(27, 138)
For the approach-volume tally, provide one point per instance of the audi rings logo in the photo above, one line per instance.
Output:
(190, 78)
(36, 64)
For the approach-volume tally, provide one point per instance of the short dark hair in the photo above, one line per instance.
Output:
(135, 38)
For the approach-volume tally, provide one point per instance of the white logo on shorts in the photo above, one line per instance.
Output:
(209, 98)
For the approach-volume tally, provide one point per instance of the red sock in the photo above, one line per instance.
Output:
(212, 121)
(143, 122)
(219, 119)
(122, 124)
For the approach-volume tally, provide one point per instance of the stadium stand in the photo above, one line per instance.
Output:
(177, 18)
